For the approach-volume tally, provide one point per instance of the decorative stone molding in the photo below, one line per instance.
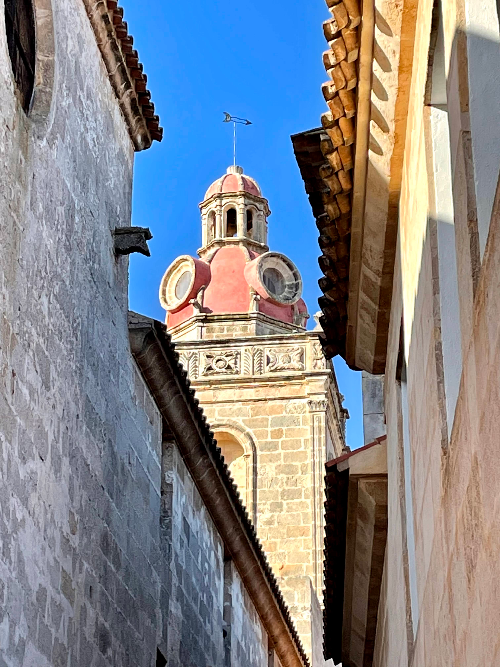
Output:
(319, 359)
(190, 362)
(317, 405)
(253, 363)
(255, 300)
(294, 408)
(223, 362)
(285, 359)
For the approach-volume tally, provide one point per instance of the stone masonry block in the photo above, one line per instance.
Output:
(289, 469)
(289, 519)
(292, 443)
(291, 494)
(295, 457)
(287, 421)
(298, 531)
(269, 446)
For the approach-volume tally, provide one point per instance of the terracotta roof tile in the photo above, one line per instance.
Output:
(125, 71)
(325, 159)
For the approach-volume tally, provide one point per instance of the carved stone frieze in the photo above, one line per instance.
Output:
(223, 362)
(295, 408)
(319, 359)
(253, 361)
(191, 362)
(317, 405)
(285, 359)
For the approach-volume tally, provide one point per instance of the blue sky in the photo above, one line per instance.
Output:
(256, 59)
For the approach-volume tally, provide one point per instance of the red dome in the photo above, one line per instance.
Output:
(229, 280)
(233, 181)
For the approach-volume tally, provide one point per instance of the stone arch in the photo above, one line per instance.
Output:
(230, 225)
(229, 435)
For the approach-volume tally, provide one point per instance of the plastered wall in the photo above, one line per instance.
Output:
(455, 477)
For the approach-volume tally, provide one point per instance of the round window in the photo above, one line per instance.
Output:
(182, 285)
(279, 278)
(181, 281)
(274, 281)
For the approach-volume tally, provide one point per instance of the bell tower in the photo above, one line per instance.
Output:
(238, 319)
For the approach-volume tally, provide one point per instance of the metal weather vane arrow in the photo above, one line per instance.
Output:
(235, 120)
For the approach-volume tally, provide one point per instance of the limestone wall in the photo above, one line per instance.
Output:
(247, 643)
(211, 619)
(88, 558)
(275, 398)
(79, 471)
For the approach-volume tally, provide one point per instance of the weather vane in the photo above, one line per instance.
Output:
(235, 121)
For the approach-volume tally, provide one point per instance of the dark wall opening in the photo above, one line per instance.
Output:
(231, 227)
(250, 221)
(20, 27)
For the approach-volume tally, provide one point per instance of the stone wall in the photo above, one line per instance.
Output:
(211, 619)
(92, 570)
(80, 470)
(288, 514)
(372, 387)
(247, 643)
(277, 399)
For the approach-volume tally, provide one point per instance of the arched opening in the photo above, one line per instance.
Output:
(21, 41)
(211, 226)
(231, 227)
(250, 224)
(234, 456)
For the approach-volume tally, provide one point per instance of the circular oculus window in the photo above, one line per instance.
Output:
(177, 283)
(280, 278)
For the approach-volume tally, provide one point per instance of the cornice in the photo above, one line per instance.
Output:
(201, 319)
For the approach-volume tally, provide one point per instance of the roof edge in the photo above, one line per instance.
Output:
(347, 455)
(125, 72)
(159, 365)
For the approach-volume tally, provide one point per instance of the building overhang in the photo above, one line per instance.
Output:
(355, 539)
(352, 167)
(125, 72)
(158, 363)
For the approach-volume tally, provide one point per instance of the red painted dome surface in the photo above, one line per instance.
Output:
(228, 291)
(233, 181)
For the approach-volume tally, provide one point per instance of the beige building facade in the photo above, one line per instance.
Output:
(269, 394)
(416, 299)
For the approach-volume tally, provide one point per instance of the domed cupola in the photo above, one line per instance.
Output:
(236, 281)
(234, 212)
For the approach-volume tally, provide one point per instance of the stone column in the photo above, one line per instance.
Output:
(317, 408)
(240, 221)
(219, 232)
(204, 229)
